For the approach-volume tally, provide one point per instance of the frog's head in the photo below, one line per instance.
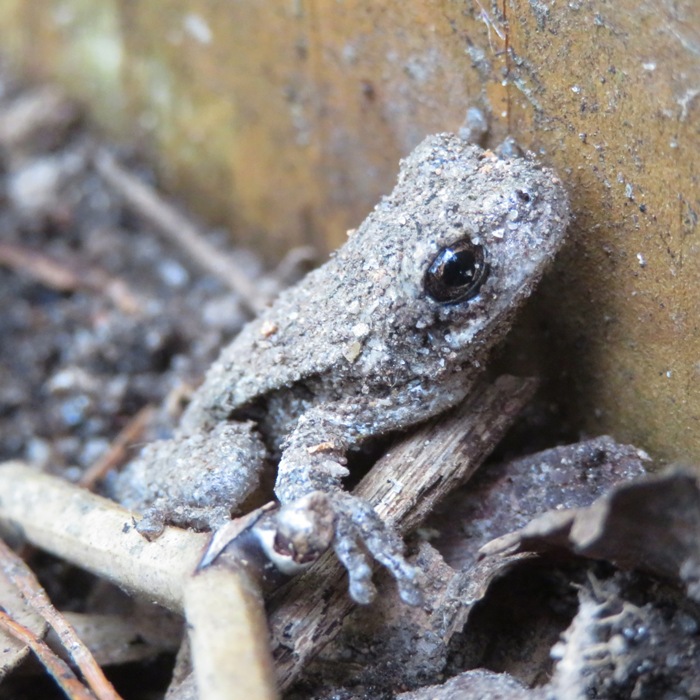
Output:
(467, 235)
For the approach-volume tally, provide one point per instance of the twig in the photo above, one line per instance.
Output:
(21, 576)
(116, 453)
(63, 278)
(229, 636)
(39, 266)
(58, 668)
(37, 121)
(404, 487)
(98, 535)
(224, 608)
(179, 230)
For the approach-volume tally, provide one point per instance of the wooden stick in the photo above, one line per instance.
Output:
(64, 278)
(98, 535)
(223, 607)
(179, 230)
(117, 451)
(228, 635)
(39, 266)
(56, 666)
(404, 486)
(22, 577)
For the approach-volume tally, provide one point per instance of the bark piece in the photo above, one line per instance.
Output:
(651, 524)
(427, 465)
(504, 497)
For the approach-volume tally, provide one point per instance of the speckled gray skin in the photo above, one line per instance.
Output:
(358, 347)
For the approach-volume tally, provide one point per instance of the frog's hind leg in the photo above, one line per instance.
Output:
(193, 481)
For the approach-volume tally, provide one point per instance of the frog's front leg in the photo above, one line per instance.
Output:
(313, 460)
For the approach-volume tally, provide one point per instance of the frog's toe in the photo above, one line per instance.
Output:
(408, 577)
(152, 524)
(305, 527)
(381, 542)
(349, 550)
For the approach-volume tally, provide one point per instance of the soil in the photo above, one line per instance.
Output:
(121, 320)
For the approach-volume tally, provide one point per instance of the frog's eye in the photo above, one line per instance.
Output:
(456, 273)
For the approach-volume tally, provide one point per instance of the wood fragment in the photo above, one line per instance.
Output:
(13, 652)
(651, 523)
(58, 668)
(39, 266)
(37, 121)
(64, 278)
(98, 535)
(509, 494)
(404, 487)
(228, 636)
(145, 201)
(223, 607)
(118, 450)
(14, 568)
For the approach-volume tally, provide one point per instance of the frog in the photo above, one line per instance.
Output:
(395, 328)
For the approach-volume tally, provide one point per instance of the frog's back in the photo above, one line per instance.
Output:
(366, 317)
(295, 339)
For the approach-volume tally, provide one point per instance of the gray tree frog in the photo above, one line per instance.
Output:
(392, 330)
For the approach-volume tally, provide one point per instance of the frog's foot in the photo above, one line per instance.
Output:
(192, 481)
(358, 532)
(152, 524)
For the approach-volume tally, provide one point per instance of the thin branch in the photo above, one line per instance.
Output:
(223, 607)
(64, 278)
(56, 666)
(117, 451)
(179, 230)
(21, 576)
(229, 637)
(39, 266)
(98, 535)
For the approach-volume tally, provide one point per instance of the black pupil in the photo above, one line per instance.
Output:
(456, 273)
(459, 268)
